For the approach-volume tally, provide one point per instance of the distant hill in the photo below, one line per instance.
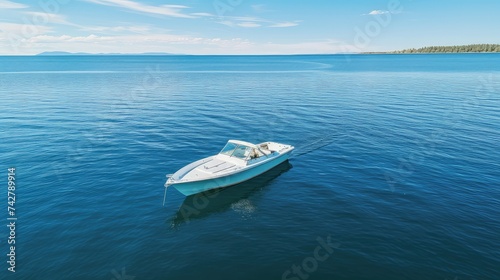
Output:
(59, 53)
(476, 48)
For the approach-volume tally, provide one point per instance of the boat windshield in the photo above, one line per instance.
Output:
(228, 149)
(235, 150)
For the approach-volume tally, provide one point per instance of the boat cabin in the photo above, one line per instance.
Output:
(241, 152)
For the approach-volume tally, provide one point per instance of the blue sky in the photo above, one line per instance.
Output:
(242, 26)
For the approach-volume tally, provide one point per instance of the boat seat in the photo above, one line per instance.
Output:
(213, 165)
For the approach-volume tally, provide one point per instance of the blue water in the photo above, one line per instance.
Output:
(396, 167)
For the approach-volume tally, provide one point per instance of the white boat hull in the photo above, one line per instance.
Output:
(194, 187)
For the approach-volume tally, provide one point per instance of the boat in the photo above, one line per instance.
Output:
(237, 162)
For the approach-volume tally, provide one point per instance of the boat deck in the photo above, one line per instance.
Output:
(209, 169)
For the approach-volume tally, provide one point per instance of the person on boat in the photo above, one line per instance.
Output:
(254, 154)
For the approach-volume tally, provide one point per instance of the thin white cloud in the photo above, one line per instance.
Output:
(202, 14)
(284, 24)
(116, 29)
(377, 12)
(227, 23)
(4, 4)
(249, 24)
(19, 30)
(165, 10)
(124, 40)
(247, 19)
(255, 22)
(67, 39)
(242, 21)
(44, 18)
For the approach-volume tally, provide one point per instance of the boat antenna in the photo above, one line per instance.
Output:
(164, 196)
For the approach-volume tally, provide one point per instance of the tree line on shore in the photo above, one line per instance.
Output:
(475, 48)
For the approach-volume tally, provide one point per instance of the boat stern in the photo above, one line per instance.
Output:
(278, 147)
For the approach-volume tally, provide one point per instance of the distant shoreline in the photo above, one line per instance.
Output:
(417, 53)
(473, 48)
(235, 55)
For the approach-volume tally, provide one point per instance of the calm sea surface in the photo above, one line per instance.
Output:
(396, 172)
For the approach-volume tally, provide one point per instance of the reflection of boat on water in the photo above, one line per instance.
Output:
(219, 200)
(238, 161)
